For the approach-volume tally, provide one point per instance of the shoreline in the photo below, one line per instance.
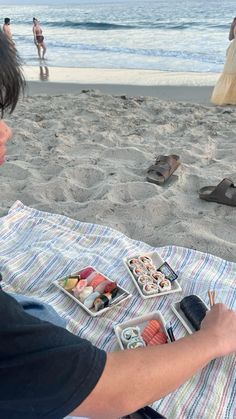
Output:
(134, 77)
(179, 87)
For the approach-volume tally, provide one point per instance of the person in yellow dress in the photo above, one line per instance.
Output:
(224, 92)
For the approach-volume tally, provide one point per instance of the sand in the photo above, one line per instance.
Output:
(190, 87)
(110, 76)
(86, 155)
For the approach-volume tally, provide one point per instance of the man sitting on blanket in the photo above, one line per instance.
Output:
(47, 372)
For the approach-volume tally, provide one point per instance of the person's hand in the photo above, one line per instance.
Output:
(220, 325)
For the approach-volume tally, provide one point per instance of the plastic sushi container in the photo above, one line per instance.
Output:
(181, 316)
(157, 265)
(121, 296)
(140, 322)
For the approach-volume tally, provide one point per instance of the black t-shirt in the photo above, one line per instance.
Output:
(45, 371)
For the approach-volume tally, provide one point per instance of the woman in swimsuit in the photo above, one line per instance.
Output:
(39, 38)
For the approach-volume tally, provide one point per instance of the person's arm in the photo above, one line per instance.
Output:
(9, 33)
(34, 33)
(137, 377)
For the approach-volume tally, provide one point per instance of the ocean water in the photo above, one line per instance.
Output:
(189, 35)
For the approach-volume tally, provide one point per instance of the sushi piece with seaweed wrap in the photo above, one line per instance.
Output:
(194, 309)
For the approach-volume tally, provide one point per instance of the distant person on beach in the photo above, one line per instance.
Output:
(224, 92)
(39, 38)
(6, 28)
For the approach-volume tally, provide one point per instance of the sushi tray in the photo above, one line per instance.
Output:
(146, 330)
(190, 311)
(152, 276)
(92, 291)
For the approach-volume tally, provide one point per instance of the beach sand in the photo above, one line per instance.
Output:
(86, 154)
(190, 87)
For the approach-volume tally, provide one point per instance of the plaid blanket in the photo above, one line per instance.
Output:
(37, 248)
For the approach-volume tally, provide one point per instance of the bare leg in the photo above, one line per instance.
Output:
(39, 50)
(44, 49)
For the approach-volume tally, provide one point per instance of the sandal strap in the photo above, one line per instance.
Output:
(167, 159)
(161, 169)
(222, 187)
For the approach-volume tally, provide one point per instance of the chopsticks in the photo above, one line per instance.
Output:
(170, 332)
(211, 295)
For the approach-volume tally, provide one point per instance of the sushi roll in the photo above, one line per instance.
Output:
(101, 302)
(136, 343)
(157, 276)
(164, 285)
(130, 333)
(194, 309)
(145, 259)
(133, 263)
(139, 270)
(149, 267)
(150, 288)
(144, 279)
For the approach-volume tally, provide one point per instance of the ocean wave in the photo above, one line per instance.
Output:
(106, 26)
(184, 55)
(57, 45)
(102, 26)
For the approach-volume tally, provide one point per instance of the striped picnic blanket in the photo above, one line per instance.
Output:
(37, 248)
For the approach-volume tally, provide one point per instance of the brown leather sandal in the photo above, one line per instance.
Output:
(223, 193)
(163, 168)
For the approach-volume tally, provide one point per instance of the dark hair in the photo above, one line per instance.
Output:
(11, 78)
(6, 20)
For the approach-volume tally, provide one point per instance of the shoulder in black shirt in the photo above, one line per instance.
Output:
(45, 371)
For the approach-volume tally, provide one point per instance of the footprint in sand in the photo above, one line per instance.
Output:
(54, 191)
(85, 177)
(12, 171)
(131, 191)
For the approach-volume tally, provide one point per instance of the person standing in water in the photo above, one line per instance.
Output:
(6, 28)
(39, 38)
(224, 92)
